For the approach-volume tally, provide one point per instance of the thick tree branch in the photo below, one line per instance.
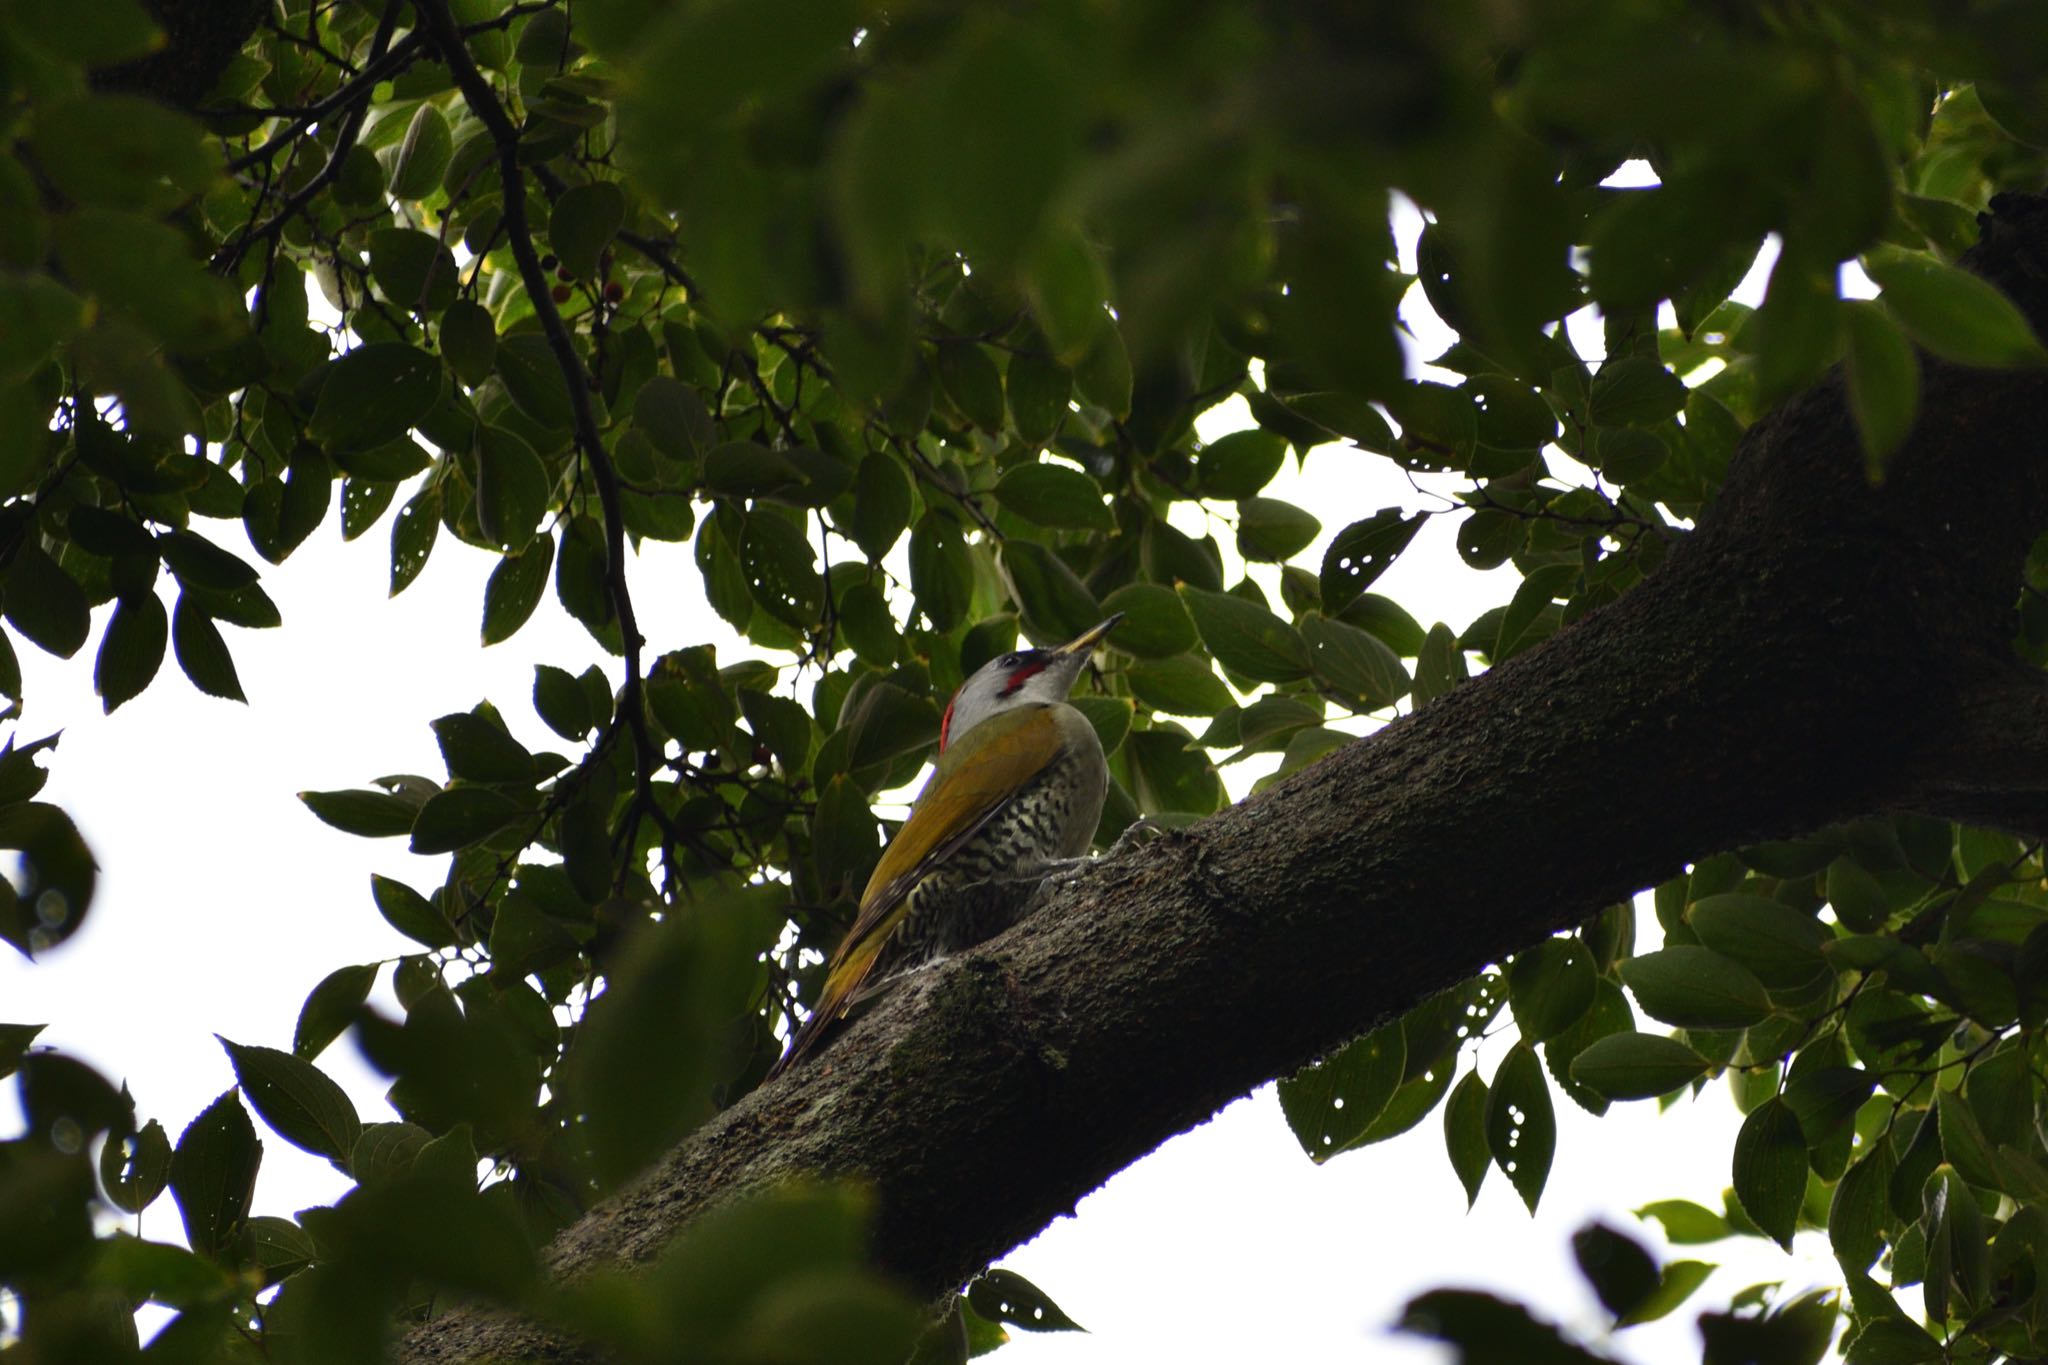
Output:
(1988, 765)
(1791, 660)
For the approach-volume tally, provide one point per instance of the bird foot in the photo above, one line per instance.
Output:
(1137, 834)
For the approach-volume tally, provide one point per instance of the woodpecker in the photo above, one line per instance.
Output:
(1017, 792)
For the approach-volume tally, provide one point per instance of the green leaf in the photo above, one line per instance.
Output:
(422, 157)
(145, 270)
(1963, 1142)
(533, 380)
(132, 649)
(881, 505)
(1271, 531)
(512, 489)
(1770, 1168)
(1484, 1328)
(1609, 1014)
(1185, 685)
(410, 913)
(970, 379)
(783, 725)
(1860, 1216)
(120, 151)
(515, 588)
(1354, 662)
(1330, 1104)
(45, 603)
(583, 223)
(279, 514)
(1953, 313)
(1155, 626)
(1637, 1066)
(36, 316)
(1040, 389)
(870, 629)
(1859, 902)
(366, 814)
(1781, 945)
(1550, 986)
(845, 838)
(1054, 495)
(298, 1100)
(199, 563)
(1695, 987)
(941, 570)
(281, 1247)
(1439, 665)
(101, 34)
(14, 1044)
(1168, 778)
(1621, 1272)
(559, 701)
(414, 270)
(1053, 603)
(524, 939)
(1362, 552)
(213, 1175)
(1465, 1134)
(54, 876)
(1884, 382)
(135, 1169)
(469, 341)
(782, 571)
(477, 749)
(1521, 1128)
(413, 533)
(373, 394)
(1246, 638)
(460, 817)
(1102, 376)
(1109, 716)
(1635, 391)
(1677, 1284)
(580, 583)
(1238, 465)
(1000, 1295)
(1894, 1341)
(331, 1007)
(1686, 1223)
(201, 651)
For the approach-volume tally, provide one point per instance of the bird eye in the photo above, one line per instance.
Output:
(1011, 660)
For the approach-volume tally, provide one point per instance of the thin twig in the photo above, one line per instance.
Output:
(483, 102)
(229, 258)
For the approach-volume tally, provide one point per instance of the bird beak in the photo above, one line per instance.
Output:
(1086, 641)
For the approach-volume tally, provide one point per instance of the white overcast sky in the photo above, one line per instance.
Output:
(222, 902)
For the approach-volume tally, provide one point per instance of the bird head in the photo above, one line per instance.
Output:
(1022, 677)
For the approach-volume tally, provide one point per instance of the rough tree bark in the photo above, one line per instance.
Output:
(1818, 649)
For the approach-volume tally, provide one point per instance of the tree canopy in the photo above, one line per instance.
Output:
(902, 317)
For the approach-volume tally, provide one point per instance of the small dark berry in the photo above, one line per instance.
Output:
(562, 274)
(561, 293)
(548, 262)
(614, 291)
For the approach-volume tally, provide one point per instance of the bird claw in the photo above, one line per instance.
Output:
(1063, 871)
(1137, 834)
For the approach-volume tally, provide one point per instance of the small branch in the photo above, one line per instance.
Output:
(229, 258)
(447, 36)
(400, 55)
